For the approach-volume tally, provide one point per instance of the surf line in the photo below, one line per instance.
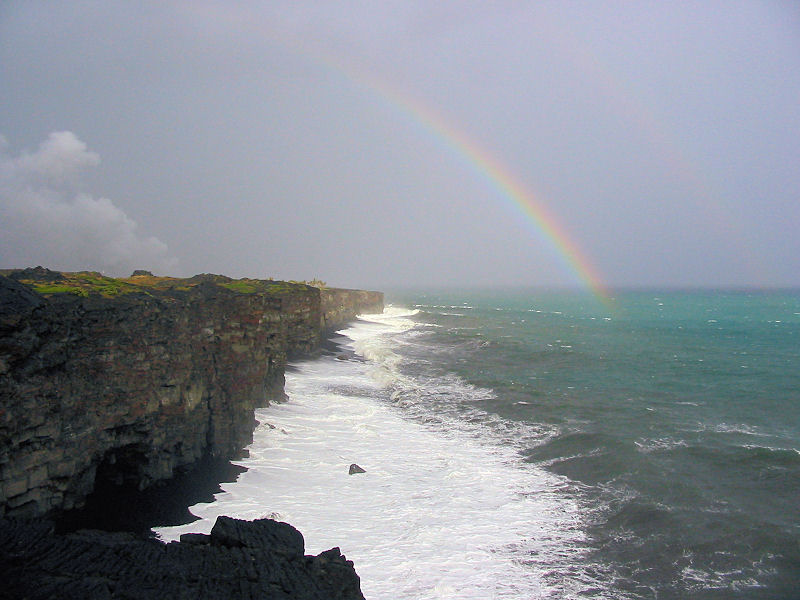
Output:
(540, 222)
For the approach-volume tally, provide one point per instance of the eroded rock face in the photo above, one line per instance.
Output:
(339, 306)
(261, 559)
(135, 387)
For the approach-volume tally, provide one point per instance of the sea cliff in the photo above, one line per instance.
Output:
(131, 381)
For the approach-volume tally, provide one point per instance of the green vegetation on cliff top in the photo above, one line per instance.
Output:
(80, 284)
(243, 286)
(84, 283)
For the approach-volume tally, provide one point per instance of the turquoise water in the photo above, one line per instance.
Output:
(673, 416)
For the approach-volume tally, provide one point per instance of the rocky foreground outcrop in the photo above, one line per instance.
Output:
(244, 560)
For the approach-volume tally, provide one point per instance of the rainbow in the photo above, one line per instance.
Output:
(541, 223)
(522, 201)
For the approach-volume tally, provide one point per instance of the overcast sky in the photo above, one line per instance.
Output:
(289, 139)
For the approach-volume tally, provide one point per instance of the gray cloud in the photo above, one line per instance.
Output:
(45, 222)
(60, 158)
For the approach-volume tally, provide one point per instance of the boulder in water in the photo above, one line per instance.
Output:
(354, 468)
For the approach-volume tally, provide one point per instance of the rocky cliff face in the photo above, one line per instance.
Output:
(341, 306)
(131, 384)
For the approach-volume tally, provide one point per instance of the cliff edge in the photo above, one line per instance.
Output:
(131, 380)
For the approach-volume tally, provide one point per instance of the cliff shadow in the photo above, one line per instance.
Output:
(335, 344)
(116, 504)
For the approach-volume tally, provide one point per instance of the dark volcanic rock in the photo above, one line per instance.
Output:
(354, 468)
(133, 388)
(260, 559)
(130, 389)
(279, 537)
(37, 274)
(16, 301)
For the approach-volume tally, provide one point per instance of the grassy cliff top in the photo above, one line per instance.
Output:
(83, 283)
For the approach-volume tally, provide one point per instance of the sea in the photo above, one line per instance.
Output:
(523, 444)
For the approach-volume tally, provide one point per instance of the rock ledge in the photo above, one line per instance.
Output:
(244, 560)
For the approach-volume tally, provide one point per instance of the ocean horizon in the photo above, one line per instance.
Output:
(523, 443)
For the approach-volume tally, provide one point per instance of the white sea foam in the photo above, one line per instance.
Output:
(741, 428)
(647, 445)
(443, 511)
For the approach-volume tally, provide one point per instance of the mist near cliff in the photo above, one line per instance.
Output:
(397, 143)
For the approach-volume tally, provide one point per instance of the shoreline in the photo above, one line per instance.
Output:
(129, 510)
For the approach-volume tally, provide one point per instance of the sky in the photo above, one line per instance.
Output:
(404, 143)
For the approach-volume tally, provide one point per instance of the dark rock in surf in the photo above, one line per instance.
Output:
(354, 468)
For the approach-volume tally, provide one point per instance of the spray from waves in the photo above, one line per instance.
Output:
(446, 509)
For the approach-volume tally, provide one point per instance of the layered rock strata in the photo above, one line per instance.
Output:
(339, 306)
(130, 381)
